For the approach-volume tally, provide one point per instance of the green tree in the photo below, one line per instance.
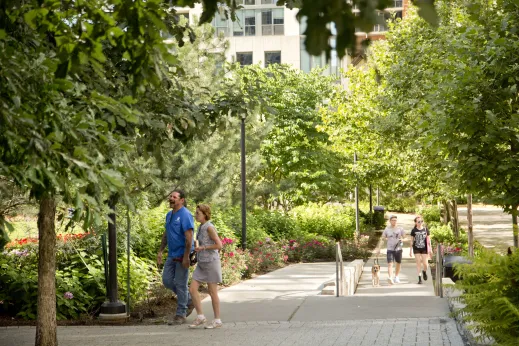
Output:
(297, 165)
(70, 128)
(456, 88)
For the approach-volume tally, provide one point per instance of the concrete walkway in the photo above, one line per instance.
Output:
(491, 226)
(284, 308)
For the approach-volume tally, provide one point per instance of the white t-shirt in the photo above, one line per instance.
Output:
(393, 236)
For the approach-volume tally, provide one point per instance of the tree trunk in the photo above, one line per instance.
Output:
(46, 320)
(514, 224)
(455, 219)
(446, 212)
(469, 221)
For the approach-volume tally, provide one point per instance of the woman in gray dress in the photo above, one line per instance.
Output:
(208, 268)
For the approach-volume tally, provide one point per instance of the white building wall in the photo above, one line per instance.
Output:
(288, 44)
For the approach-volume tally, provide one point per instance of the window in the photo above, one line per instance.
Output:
(272, 22)
(269, 2)
(272, 58)
(244, 58)
(397, 3)
(248, 2)
(381, 23)
(309, 62)
(245, 24)
(221, 25)
(302, 25)
(183, 15)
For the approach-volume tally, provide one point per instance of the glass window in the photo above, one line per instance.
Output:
(272, 58)
(272, 22)
(245, 24)
(309, 62)
(381, 23)
(266, 22)
(305, 58)
(221, 25)
(248, 2)
(302, 25)
(244, 58)
(269, 2)
(183, 15)
(397, 3)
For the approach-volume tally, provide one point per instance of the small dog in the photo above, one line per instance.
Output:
(375, 273)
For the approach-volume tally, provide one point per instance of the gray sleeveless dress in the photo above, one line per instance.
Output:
(208, 268)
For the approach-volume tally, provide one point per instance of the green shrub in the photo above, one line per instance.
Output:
(233, 261)
(80, 280)
(227, 221)
(143, 274)
(276, 224)
(401, 204)
(443, 234)
(490, 288)
(268, 255)
(336, 222)
(309, 250)
(147, 228)
(431, 215)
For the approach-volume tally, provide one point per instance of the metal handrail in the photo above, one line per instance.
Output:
(439, 270)
(340, 281)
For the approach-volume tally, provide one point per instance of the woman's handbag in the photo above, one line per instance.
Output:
(193, 258)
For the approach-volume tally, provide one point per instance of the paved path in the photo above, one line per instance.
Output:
(492, 227)
(374, 332)
(284, 308)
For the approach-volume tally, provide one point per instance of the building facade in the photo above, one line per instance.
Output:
(266, 34)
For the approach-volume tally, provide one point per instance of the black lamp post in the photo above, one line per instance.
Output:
(243, 192)
(112, 309)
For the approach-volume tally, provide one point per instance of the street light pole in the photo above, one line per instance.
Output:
(113, 309)
(243, 192)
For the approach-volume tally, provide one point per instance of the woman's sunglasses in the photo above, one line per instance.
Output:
(419, 221)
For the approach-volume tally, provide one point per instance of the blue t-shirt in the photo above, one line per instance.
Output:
(177, 223)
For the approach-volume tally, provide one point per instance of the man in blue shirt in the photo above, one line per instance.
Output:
(178, 236)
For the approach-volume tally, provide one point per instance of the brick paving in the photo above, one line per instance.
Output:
(376, 332)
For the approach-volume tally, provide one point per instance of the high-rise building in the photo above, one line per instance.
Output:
(267, 34)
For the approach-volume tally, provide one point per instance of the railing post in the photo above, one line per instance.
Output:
(337, 251)
(439, 270)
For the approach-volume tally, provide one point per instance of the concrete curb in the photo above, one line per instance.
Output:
(470, 336)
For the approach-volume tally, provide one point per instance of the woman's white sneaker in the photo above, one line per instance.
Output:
(198, 322)
(214, 325)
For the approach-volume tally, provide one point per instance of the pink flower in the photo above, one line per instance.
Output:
(68, 295)
(231, 254)
(285, 258)
(233, 267)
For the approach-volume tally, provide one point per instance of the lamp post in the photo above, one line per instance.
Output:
(112, 309)
(243, 192)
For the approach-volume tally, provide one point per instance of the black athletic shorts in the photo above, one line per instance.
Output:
(422, 251)
(394, 256)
